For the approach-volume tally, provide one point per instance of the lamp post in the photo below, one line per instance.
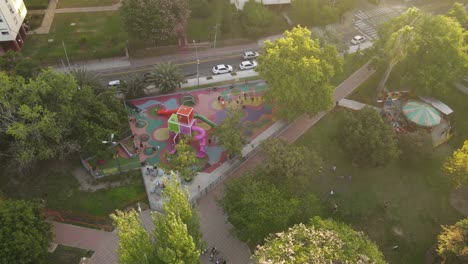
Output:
(198, 64)
(216, 33)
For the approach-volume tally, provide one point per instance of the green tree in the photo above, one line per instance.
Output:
(458, 12)
(231, 132)
(51, 117)
(84, 78)
(315, 12)
(183, 161)
(155, 20)
(430, 50)
(167, 77)
(368, 139)
(456, 166)
(322, 241)
(133, 86)
(135, 245)
(256, 208)
(15, 63)
(298, 71)
(288, 165)
(228, 13)
(200, 8)
(453, 243)
(24, 233)
(256, 18)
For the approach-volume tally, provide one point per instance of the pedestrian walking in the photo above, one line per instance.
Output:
(333, 168)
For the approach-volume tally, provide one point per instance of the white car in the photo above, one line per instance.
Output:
(222, 68)
(247, 65)
(114, 83)
(249, 55)
(358, 40)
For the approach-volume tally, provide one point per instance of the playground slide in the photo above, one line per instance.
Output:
(202, 138)
(204, 119)
(166, 111)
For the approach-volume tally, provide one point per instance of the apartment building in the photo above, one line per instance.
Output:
(240, 3)
(12, 29)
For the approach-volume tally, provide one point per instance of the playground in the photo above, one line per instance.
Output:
(157, 122)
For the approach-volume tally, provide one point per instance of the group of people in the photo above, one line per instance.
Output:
(214, 258)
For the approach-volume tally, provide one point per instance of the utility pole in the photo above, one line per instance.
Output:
(198, 64)
(66, 54)
(216, 33)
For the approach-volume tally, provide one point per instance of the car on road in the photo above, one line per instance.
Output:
(222, 68)
(358, 40)
(247, 65)
(114, 83)
(250, 55)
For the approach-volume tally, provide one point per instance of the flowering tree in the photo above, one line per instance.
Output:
(323, 241)
(457, 165)
(453, 243)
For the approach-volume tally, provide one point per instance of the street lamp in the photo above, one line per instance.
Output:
(198, 64)
(216, 33)
(113, 143)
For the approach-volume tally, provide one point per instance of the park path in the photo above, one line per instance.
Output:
(213, 225)
(52, 9)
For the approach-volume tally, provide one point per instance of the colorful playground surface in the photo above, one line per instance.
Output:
(153, 136)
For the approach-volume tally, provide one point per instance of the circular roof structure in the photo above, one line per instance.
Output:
(421, 114)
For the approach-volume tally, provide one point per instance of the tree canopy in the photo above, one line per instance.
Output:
(456, 166)
(177, 238)
(432, 55)
(15, 63)
(183, 160)
(298, 71)
(231, 132)
(167, 77)
(24, 233)
(256, 207)
(458, 12)
(368, 139)
(453, 243)
(51, 117)
(155, 20)
(322, 241)
(256, 18)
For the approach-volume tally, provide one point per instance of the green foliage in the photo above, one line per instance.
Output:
(368, 139)
(231, 132)
(256, 18)
(289, 166)
(49, 117)
(314, 12)
(298, 71)
(135, 245)
(133, 86)
(167, 77)
(257, 208)
(453, 243)
(84, 78)
(458, 12)
(456, 166)
(323, 241)
(226, 23)
(154, 19)
(182, 161)
(15, 63)
(24, 233)
(430, 50)
(200, 8)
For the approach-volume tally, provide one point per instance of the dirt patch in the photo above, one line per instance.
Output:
(459, 199)
(397, 231)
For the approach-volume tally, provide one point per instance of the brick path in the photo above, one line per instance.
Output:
(215, 230)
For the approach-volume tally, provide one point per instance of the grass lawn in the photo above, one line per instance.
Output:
(55, 183)
(85, 3)
(94, 36)
(417, 195)
(36, 4)
(34, 20)
(65, 255)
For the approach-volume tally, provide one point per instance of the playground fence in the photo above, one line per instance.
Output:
(122, 168)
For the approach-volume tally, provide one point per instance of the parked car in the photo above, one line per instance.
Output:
(222, 68)
(358, 40)
(247, 65)
(250, 55)
(114, 83)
